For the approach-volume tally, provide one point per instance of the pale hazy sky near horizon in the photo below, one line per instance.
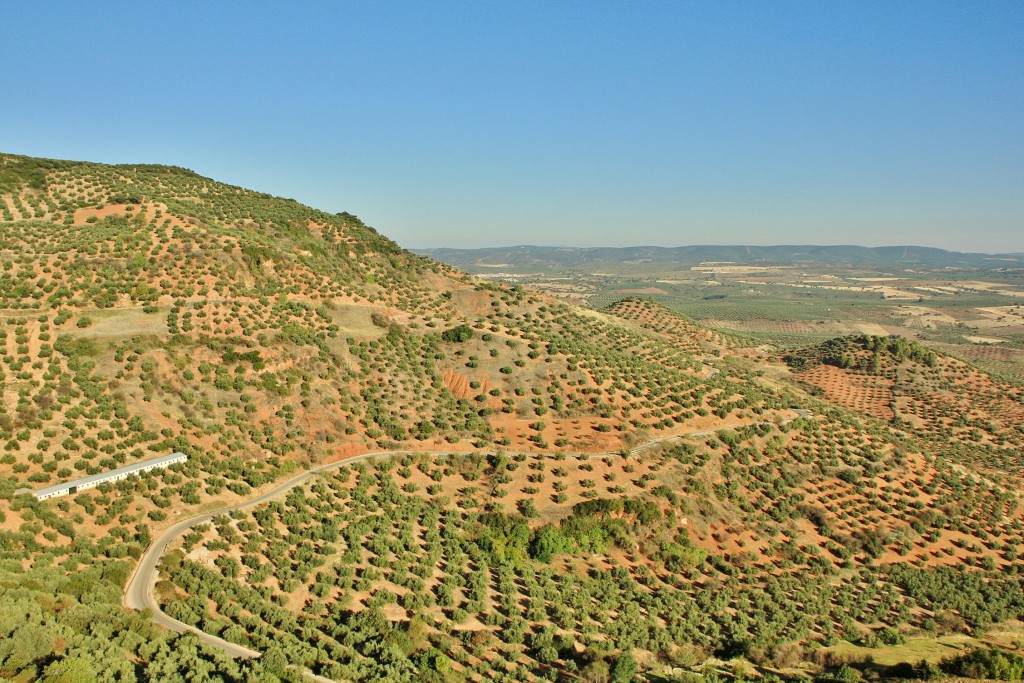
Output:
(467, 124)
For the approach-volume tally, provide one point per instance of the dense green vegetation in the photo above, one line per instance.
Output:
(842, 353)
(61, 621)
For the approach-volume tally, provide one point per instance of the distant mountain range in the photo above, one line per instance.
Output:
(534, 258)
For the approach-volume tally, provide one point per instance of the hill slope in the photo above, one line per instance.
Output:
(962, 413)
(237, 326)
(145, 309)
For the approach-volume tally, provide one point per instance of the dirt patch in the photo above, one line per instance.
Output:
(872, 328)
(865, 393)
(722, 268)
(82, 216)
(992, 287)
(356, 320)
(457, 383)
(643, 290)
(921, 317)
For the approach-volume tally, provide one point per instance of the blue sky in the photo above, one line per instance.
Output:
(468, 124)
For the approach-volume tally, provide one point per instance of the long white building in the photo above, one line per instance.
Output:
(118, 474)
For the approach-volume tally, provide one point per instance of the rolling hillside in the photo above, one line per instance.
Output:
(149, 308)
(558, 464)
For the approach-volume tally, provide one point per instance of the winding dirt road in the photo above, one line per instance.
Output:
(138, 594)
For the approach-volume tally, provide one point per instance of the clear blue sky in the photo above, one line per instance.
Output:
(484, 123)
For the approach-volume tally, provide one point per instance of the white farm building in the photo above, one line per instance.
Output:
(118, 474)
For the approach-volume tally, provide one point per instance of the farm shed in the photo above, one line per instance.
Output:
(118, 474)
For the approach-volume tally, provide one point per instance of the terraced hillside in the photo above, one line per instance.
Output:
(734, 517)
(963, 414)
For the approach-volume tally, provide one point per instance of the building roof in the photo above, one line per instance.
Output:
(163, 460)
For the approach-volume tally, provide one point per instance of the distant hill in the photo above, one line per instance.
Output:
(612, 259)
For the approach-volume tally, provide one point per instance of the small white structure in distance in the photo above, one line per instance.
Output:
(118, 474)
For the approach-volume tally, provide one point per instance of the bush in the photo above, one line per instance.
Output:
(458, 334)
(992, 664)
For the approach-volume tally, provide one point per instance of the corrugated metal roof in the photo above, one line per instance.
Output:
(93, 479)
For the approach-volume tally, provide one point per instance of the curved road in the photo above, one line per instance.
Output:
(138, 594)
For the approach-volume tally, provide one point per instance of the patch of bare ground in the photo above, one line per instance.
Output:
(864, 393)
